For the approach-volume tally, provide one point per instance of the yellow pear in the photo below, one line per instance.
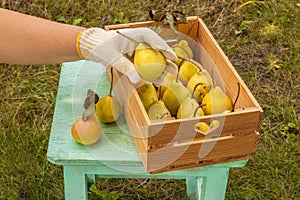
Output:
(187, 69)
(86, 129)
(158, 110)
(168, 78)
(213, 124)
(200, 83)
(189, 108)
(108, 109)
(183, 50)
(148, 62)
(86, 132)
(216, 102)
(147, 94)
(202, 127)
(174, 95)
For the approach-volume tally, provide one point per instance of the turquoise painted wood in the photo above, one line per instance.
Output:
(115, 155)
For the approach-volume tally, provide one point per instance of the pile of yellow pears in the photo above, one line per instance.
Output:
(190, 93)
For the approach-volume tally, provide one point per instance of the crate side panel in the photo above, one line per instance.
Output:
(240, 122)
(132, 107)
(199, 151)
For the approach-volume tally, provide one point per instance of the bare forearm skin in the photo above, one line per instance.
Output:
(26, 39)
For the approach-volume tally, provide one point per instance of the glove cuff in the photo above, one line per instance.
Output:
(78, 45)
(87, 41)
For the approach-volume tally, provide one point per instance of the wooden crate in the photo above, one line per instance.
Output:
(175, 144)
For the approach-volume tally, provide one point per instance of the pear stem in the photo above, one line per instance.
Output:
(194, 90)
(129, 38)
(185, 51)
(196, 110)
(163, 115)
(191, 61)
(179, 65)
(111, 81)
(159, 93)
(238, 94)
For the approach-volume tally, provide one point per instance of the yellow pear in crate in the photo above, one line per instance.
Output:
(189, 108)
(158, 109)
(202, 127)
(148, 62)
(183, 51)
(187, 68)
(204, 80)
(214, 124)
(168, 78)
(147, 94)
(216, 102)
(174, 95)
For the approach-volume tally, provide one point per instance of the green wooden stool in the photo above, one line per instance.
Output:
(115, 155)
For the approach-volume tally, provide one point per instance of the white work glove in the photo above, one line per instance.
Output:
(109, 48)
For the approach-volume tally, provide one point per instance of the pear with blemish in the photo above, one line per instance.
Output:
(86, 129)
(189, 108)
(158, 110)
(202, 127)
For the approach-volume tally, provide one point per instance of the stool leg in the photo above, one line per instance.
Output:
(212, 186)
(91, 178)
(75, 183)
(194, 187)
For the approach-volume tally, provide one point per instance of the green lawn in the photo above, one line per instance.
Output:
(261, 39)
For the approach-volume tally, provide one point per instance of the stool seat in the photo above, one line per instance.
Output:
(115, 155)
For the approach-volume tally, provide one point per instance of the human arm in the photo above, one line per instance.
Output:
(26, 39)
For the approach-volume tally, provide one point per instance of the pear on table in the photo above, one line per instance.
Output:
(108, 108)
(86, 129)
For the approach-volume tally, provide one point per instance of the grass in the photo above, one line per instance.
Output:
(261, 39)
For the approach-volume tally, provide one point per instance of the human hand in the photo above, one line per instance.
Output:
(110, 48)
